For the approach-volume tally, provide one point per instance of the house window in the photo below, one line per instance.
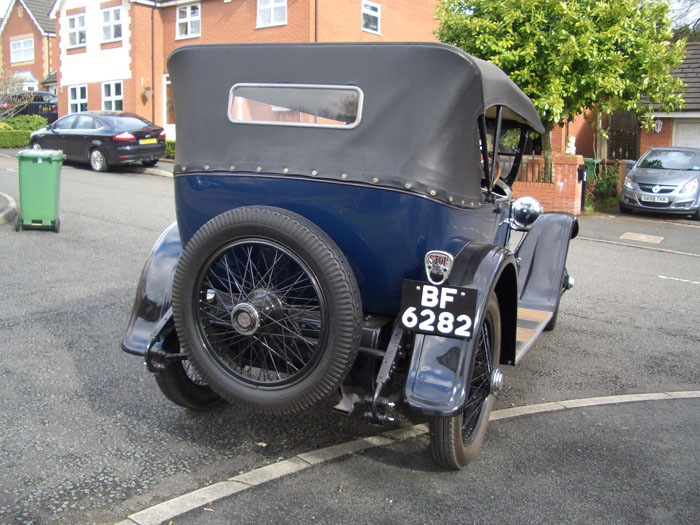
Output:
(76, 30)
(112, 99)
(189, 21)
(272, 13)
(22, 50)
(111, 24)
(371, 17)
(77, 99)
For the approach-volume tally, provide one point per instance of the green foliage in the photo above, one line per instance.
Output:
(574, 55)
(26, 122)
(602, 190)
(169, 149)
(12, 138)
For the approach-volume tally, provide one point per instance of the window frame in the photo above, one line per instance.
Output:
(112, 98)
(23, 50)
(273, 4)
(112, 24)
(378, 15)
(76, 31)
(232, 100)
(77, 101)
(188, 21)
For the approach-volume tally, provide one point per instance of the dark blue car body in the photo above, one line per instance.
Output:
(389, 164)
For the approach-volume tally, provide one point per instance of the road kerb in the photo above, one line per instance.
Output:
(187, 502)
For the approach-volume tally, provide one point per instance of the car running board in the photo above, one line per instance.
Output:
(530, 325)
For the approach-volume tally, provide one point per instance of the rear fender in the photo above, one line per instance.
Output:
(439, 369)
(151, 310)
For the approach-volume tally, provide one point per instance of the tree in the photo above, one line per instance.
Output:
(570, 56)
(12, 99)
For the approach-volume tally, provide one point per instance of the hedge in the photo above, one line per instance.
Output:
(14, 138)
(169, 149)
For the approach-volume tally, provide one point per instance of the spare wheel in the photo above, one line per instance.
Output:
(267, 309)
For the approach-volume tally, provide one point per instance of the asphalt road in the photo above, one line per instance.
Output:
(86, 437)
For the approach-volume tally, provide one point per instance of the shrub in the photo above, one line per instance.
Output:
(169, 149)
(14, 138)
(602, 191)
(26, 122)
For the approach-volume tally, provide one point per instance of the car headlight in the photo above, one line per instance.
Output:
(690, 187)
(629, 183)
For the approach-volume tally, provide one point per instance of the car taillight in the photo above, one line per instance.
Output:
(161, 135)
(124, 136)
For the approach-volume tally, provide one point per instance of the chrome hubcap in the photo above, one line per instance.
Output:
(245, 319)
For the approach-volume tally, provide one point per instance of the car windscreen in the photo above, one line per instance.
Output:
(671, 160)
(125, 123)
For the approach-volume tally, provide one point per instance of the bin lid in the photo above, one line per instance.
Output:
(49, 154)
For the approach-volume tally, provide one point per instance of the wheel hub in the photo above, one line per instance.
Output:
(497, 379)
(261, 305)
(245, 319)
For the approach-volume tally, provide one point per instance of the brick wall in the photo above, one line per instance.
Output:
(564, 194)
(399, 21)
(651, 139)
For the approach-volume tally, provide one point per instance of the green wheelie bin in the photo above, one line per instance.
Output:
(39, 185)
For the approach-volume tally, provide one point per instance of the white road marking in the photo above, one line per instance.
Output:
(187, 502)
(677, 279)
(641, 237)
(637, 246)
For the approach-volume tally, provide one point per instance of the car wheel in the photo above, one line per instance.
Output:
(696, 215)
(97, 160)
(624, 210)
(182, 385)
(35, 145)
(267, 309)
(455, 440)
(149, 163)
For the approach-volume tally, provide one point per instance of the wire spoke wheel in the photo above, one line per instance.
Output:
(182, 385)
(261, 312)
(267, 309)
(455, 440)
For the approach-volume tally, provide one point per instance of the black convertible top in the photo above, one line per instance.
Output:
(415, 108)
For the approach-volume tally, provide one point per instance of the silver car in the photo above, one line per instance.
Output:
(664, 180)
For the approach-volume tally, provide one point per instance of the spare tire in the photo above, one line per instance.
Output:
(267, 309)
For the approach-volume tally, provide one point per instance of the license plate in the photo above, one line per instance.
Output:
(148, 141)
(654, 198)
(447, 311)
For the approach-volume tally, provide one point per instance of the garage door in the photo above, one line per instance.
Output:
(687, 134)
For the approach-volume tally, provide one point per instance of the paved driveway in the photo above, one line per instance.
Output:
(88, 438)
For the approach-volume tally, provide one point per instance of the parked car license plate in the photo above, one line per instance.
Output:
(147, 141)
(438, 310)
(654, 198)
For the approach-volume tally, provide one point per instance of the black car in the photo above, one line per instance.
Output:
(40, 103)
(103, 139)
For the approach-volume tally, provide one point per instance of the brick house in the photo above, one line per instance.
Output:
(680, 128)
(28, 44)
(113, 53)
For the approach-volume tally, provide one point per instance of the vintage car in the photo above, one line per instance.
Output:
(344, 230)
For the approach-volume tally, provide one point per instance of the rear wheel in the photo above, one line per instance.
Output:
(455, 441)
(35, 145)
(182, 385)
(97, 160)
(267, 309)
